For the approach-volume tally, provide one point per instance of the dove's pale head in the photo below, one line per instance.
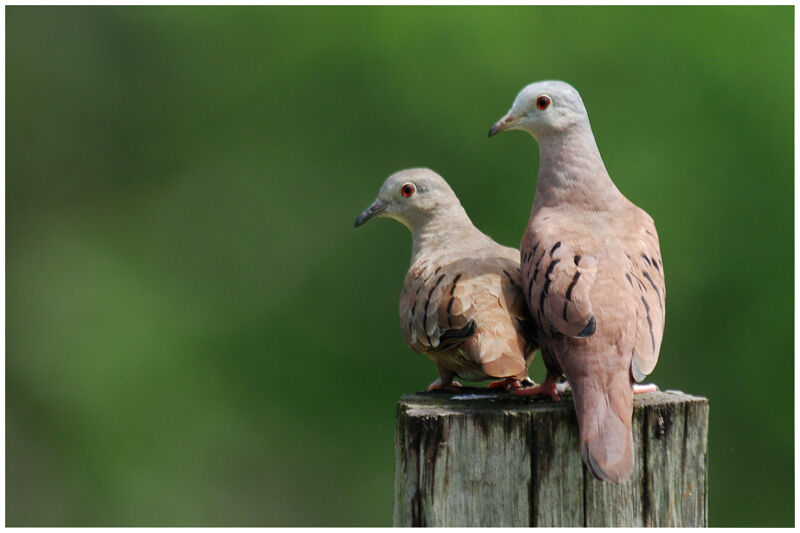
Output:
(543, 109)
(413, 197)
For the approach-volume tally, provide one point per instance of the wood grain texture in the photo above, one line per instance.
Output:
(479, 458)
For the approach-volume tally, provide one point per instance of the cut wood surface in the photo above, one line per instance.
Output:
(485, 458)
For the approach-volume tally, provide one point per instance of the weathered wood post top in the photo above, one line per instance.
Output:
(485, 458)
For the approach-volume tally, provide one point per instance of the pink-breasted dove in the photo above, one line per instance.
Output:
(592, 276)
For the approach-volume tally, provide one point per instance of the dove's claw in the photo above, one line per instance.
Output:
(549, 387)
(646, 387)
(507, 384)
(453, 386)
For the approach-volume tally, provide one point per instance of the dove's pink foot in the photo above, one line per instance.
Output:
(549, 387)
(507, 384)
(453, 386)
(647, 387)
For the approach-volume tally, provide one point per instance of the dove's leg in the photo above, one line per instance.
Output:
(508, 384)
(440, 385)
(445, 381)
(550, 387)
(647, 387)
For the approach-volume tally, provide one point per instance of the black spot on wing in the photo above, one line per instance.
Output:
(575, 279)
(458, 277)
(657, 263)
(652, 337)
(649, 323)
(554, 248)
(646, 275)
(551, 267)
(530, 253)
(543, 294)
(658, 292)
(577, 259)
(590, 328)
(546, 288)
(547, 282)
(454, 337)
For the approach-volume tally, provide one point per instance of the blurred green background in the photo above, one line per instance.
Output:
(195, 333)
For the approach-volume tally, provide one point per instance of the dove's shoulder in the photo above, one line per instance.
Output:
(436, 302)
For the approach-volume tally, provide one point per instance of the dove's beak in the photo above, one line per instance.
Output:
(377, 207)
(503, 124)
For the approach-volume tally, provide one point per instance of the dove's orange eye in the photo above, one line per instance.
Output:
(408, 190)
(542, 102)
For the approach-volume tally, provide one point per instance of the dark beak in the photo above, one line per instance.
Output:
(375, 209)
(503, 124)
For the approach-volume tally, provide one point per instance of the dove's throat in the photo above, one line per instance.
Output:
(571, 171)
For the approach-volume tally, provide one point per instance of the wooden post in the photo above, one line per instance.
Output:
(480, 458)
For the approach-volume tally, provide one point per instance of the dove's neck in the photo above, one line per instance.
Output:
(446, 228)
(571, 171)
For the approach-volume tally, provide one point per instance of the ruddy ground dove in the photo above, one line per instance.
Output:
(592, 276)
(461, 303)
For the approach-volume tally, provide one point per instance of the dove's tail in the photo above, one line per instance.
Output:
(604, 420)
(501, 352)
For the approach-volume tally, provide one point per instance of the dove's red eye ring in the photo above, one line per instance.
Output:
(542, 102)
(408, 190)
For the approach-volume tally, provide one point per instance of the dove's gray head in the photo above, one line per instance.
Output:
(413, 197)
(543, 109)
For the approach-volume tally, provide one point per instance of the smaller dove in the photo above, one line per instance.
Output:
(462, 303)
